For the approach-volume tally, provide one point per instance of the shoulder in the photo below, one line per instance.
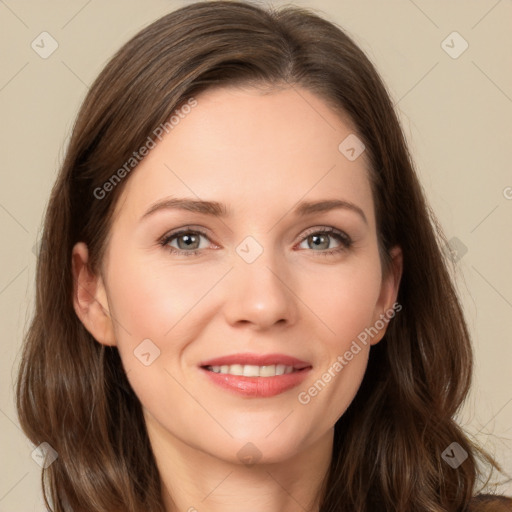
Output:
(490, 503)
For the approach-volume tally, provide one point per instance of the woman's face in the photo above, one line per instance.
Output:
(261, 279)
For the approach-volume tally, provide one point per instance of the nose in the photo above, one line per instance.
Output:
(260, 293)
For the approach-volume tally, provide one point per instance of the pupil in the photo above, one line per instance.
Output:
(317, 240)
(188, 239)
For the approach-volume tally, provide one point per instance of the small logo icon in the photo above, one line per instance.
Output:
(351, 147)
(455, 249)
(454, 455)
(146, 352)
(44, 455)
(454, 45)
(249, 454)
(249, 250)
(44, 45)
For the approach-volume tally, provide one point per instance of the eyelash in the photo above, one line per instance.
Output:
(343, 238)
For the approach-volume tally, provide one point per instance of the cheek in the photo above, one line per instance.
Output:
(157, 299)
(345, 300)
(328, 396)
(344, 354)
(153, 314)
(157, 311)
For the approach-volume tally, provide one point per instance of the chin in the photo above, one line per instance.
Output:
(261, 448)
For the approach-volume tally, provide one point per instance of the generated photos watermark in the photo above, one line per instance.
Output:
(137, 156)
(363, 338)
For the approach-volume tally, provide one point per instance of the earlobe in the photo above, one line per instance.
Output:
(89, 297)
(389, 293)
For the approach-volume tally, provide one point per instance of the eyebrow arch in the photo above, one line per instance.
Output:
(215, 209)
(309, 207)
(212, 208)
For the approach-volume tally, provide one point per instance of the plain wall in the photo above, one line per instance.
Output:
(456, 113)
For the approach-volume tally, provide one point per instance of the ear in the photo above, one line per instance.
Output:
(90, 298)
(384, 309)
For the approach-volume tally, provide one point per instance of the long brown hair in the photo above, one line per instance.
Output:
(73, 393)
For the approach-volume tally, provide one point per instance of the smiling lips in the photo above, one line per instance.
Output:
(256, 375)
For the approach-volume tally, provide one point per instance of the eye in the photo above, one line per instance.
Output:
(321, 239)
(188, 241)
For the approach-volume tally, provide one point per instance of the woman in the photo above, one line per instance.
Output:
(241, 297)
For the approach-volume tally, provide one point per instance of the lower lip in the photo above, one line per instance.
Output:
(262, 387)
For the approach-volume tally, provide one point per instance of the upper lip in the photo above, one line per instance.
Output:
(257, 360)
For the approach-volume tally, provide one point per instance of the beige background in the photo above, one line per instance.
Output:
(456, 113)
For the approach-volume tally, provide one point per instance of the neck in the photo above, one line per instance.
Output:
(196, 481)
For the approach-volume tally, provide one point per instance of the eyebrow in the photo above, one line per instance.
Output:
(216, 209)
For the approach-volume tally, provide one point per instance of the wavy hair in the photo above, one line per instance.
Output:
(72, 392)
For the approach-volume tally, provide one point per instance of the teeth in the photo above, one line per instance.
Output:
(236, 369)
(250, 370)
(267, 371)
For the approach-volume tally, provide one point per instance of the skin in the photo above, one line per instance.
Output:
(259, 153)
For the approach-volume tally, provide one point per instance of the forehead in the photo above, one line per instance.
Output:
(254, 146)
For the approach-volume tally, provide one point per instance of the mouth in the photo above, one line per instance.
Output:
(253, 375)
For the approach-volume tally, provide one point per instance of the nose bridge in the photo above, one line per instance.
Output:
(259, 290)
